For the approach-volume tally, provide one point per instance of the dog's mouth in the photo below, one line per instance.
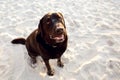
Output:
(58, 38)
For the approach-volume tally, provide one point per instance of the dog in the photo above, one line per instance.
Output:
(49, 40)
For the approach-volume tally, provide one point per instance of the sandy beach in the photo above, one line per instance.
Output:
(93, 28)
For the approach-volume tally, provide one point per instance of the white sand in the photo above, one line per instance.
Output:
(94, 39)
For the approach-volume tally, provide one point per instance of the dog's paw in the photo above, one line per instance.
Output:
(60, 64)
(34, 65)
(33, 61)
(51, 72)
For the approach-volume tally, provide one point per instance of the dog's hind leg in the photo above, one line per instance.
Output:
(33, 57)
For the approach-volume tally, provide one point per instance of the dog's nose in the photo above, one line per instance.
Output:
(59, 30)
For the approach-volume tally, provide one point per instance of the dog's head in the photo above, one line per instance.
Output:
(52, 28)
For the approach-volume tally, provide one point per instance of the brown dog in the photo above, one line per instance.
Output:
(48, 41)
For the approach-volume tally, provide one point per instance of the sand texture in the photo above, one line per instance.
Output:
(93, 28)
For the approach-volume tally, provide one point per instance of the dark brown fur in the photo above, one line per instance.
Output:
(40, 42)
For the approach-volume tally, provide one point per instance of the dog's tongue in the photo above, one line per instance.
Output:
(60, 37)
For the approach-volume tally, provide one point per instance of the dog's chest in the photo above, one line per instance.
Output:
(55, 52)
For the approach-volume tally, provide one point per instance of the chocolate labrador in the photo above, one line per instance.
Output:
(49, 40)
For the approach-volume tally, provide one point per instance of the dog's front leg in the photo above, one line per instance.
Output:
(59, 62)
(49, 69)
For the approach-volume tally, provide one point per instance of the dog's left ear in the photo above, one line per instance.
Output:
(60, 14)
(40, 28)
(62, 18)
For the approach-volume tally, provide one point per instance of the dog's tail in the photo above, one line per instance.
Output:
(18, 41)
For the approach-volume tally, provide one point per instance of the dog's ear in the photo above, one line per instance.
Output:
(60, 14)
(40, 28)
(62, 17)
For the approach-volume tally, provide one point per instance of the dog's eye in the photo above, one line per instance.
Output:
(48, 20)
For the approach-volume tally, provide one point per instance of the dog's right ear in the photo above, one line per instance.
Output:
(40, 28)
